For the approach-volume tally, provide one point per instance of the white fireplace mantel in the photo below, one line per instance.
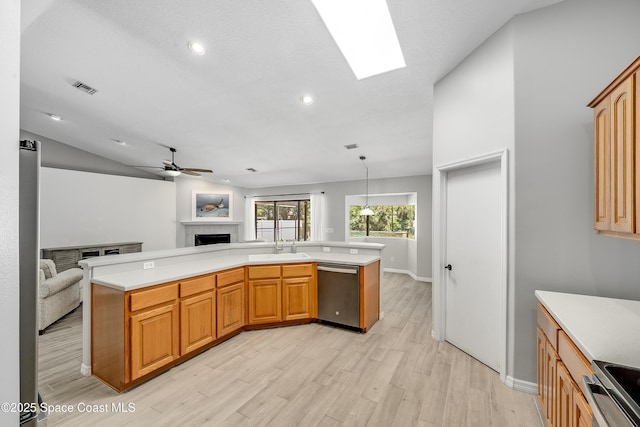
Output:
(210, 222)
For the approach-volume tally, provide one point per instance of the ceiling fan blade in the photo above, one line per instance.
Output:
(189, 172)
(197, 170)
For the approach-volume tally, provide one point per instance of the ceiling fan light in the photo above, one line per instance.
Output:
(366, 211)
(173, 172)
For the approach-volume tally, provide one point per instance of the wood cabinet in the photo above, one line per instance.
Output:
(547, 359)
(154, 322)
(154, 339)
(67, 257)
(560, 369)
(282, 292)
(231, 301)
(299, 289)
(617, 156)
(197, 312)
(265, 301)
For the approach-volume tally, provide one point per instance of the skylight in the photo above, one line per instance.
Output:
(364, 32)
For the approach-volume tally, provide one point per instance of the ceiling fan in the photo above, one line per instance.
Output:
(172, 169)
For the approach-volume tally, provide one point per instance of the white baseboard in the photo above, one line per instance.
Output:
(520, 385)
(381, 315)
(409, 273)
(85, 370)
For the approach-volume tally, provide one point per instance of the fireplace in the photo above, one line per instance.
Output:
(211, 239)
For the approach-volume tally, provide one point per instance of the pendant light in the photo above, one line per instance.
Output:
(367, 210)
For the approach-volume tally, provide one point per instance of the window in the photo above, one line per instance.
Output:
(283, 219)
(386, 221)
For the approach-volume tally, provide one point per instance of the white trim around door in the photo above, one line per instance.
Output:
(440, 239)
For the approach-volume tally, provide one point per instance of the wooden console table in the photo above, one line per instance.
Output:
(68, 257)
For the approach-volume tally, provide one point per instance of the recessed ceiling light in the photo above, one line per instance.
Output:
(306, 100)
(54, 117)
(226, 181)
(120, 142)
(364, 32)
(196, 48)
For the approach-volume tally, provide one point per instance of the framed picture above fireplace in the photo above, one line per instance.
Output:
(212, 206)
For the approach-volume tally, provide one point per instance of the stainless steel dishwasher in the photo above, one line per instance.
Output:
(339, 294)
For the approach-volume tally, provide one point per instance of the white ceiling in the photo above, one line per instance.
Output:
(239, 105)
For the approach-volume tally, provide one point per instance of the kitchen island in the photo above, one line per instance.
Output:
(162, 281)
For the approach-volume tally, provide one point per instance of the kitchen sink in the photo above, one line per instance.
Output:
(279, 257)
(627, 378)
(614, 393)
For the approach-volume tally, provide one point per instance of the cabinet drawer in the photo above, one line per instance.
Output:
(264, 272)
(197, 285)
(151, 297)
(297, 270)
(574, 360)
(230, 277)
(548, 326)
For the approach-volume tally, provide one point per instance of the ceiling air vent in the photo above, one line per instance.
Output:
(351, 146)
(85, 88)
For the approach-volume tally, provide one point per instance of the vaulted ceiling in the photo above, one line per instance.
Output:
(238, 106)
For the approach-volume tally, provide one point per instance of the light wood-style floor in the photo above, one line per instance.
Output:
(311, 375)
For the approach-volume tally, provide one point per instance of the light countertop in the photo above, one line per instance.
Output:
(137, 279)
(606, 329)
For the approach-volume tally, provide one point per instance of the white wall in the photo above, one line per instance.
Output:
(336, 192)
(55, 154)
(531, 82)
(396, 254)
(474, 115)
(184, 193)
(78, 208)
(565, 55)
(9, 267)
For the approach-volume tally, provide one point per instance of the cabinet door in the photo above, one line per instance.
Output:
(230, 308)
(265, 301)
(154, 339)
(602, 162)
(296, 298)
(198, 321)
(541, 377)
(622, 157)
(551, 358)
(564, 397)
(582, 416)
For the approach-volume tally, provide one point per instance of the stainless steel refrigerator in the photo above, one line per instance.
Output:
(29, 245)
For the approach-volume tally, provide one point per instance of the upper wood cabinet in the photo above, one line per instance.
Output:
(617, 156)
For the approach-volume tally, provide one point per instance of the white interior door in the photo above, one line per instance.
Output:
(473, 250)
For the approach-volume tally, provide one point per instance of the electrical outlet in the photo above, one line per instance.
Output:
(326, 249)
(148, 265)
(353, 251)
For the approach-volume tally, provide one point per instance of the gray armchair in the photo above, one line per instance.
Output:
(58, 294)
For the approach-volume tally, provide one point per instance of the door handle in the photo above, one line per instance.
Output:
(448, 267)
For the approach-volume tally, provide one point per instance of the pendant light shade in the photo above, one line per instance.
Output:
(367, 210)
